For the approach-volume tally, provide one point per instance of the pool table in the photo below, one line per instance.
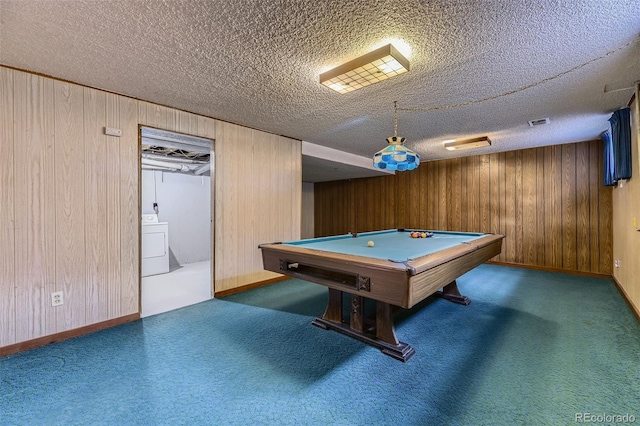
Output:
(389, 267)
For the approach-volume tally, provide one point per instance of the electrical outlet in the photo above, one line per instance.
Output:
(616, 263)
(57, 299)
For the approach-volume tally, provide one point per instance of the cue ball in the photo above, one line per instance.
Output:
(370, 243)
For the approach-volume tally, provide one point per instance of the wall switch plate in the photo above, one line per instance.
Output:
(57, 299)
(112, 131)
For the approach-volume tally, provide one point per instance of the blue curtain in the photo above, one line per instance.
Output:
(609, 172)
(621, 141)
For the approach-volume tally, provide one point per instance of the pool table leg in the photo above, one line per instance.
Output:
(384, 323)
(452, 294)
(356, 318)
(334, 306)
(385, 338)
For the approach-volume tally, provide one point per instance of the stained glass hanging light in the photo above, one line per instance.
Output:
(396, 156)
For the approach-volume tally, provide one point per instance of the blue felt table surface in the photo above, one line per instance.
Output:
(389, 244)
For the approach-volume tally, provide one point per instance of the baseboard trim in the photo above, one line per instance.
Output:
(625, 296)
(69, 334)
(556, 270)
(224, 293)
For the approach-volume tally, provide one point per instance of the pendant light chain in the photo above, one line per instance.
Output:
(395, 118)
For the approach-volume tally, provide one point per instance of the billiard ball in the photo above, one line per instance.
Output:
(423, 235)
(370, 243)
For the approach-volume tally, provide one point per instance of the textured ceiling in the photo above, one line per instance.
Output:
(477, 67)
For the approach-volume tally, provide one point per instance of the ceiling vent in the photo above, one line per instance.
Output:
(539, 122)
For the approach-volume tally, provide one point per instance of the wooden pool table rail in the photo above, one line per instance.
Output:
(402, 284)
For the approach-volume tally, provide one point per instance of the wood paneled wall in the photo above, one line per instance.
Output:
(307, 227)
(70, 207)
(626, 207)
(70, 203)
(258, 200)
(549, 203)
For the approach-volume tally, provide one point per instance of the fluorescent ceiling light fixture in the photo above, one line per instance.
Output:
(373, 67)
(468, 143)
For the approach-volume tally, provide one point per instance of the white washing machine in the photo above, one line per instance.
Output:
(155, 245)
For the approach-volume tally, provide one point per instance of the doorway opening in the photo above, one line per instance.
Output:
(177, 234)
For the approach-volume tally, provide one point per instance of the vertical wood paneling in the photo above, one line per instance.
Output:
(113, 246)
(130, 206)
(184, 123)
(595, 160)
(583, 222)
(552, 206)
(509, 211)
(454, 194)
(389, 204)
(365, 206)
(494, 171)
(626, 209)
(226, 153)
(606, 224)
(331, 206)
(377, 220)
(464, 195)
(442, 195)
(484, 194)
(96, 206)
(34, 206)
(260, 189)
(265, 200)
(529, 207)
(541, 223)
(70, 223)
(152, 115)
(7, 211)
(52, 315)
(505, 221)
(544, 200)
(350, 196)
(171, 118)
(422, 195)
(432, 195)
(25, 293)
(472, 190)
(518, 207)
(569, 243)
(413, 219)
(373, 204)
(401, 200)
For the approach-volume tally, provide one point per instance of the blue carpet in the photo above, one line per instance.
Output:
(533, 348)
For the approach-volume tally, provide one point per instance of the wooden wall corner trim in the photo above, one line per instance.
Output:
(224, 293)
(69, 334)
(627, 299)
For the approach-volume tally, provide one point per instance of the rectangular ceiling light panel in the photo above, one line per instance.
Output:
(468, 143)
(373, 67)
